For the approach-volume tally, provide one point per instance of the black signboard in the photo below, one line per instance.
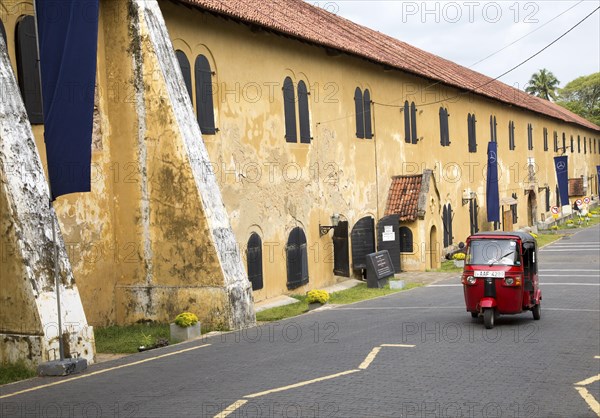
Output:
(379, 269)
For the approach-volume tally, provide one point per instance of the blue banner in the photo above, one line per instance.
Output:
(491, 192)
(562, 177)
(68, 41)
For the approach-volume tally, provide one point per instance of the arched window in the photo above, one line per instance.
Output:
(358, 110)
(362, 108)
(406, 240)
(407, 126)
(2, 32)
(367, 111)
(297, 259)
(447, 221)
(27, 69)
(573, 144)
(413, 123)
(363, 241)
(444, 131)
(204, 96)
(186, 71)
(303, 113)
(289, 110)
(254, 261)
(493, 130)
(472, 133)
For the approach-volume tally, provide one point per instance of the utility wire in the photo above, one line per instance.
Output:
(473, 90)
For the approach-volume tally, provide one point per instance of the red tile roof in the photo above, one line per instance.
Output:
(301, 20)
(403, 197)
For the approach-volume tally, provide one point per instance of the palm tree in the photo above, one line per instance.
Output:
(543, 84)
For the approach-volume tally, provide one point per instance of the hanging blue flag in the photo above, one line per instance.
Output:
(68, 41)
(562, 177)
(491, 192)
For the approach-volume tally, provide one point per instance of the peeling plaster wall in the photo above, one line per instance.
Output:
(270, 186)
(191, 257)
(28, 322)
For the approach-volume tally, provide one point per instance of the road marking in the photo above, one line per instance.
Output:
(231, 408)
(568, 284)
(588, 381)
(445, 285)
(589, 399)
(392, 308)
(363, 366)
(569, 250)
(60, 382)
(570, 270)
(407, 346)
(572, 310)
(300, 384)
(597, 357)
(367, 361)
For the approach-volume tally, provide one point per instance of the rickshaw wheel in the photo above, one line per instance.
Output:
(474, 315)
(537, 311)
(488, 318)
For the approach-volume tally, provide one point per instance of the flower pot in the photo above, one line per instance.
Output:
(459, 263)
(183, 334)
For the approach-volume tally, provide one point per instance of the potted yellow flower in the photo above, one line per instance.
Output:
(186, 326)
(459, 259)
(316, 298)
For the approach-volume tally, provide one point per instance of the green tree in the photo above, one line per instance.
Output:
(582, 96)
(543, 84)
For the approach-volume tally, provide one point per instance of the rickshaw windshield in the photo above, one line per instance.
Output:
(503, 252)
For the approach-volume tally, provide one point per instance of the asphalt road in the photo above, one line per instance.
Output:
(413, 354)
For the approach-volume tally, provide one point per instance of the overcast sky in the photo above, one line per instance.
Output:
(467, 31)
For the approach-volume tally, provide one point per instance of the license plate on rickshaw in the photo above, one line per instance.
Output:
(488, 273)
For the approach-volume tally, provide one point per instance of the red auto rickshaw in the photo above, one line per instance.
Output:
(500, 275)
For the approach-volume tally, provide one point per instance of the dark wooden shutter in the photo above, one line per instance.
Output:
(406, 122)
(341, 259)
(363, 241)
(413, 123)
(450, 233)
(529, 136)
(555, 141)
(557, 193)
(289, 110)
(367, 110)
(547, 199)
(493, 130)
(471, 121)
(360, 117)
(444, 131)
(579, 144)
(545, 139)
(186, 71)
(392, 222)
(406, 240)
(204, 96)
(564, 142)
(303, 113)
(513, 208)
(473, 214)
(584, 146)
(573, 144)
(445, 223)
(297, 259)
(254, 261)
(27, 69)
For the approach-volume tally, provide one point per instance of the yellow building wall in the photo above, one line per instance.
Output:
(271, 186)
(137, 240)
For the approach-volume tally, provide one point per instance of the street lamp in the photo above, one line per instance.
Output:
(324, 229)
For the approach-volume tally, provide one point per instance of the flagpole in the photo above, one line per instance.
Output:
(53, 215)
